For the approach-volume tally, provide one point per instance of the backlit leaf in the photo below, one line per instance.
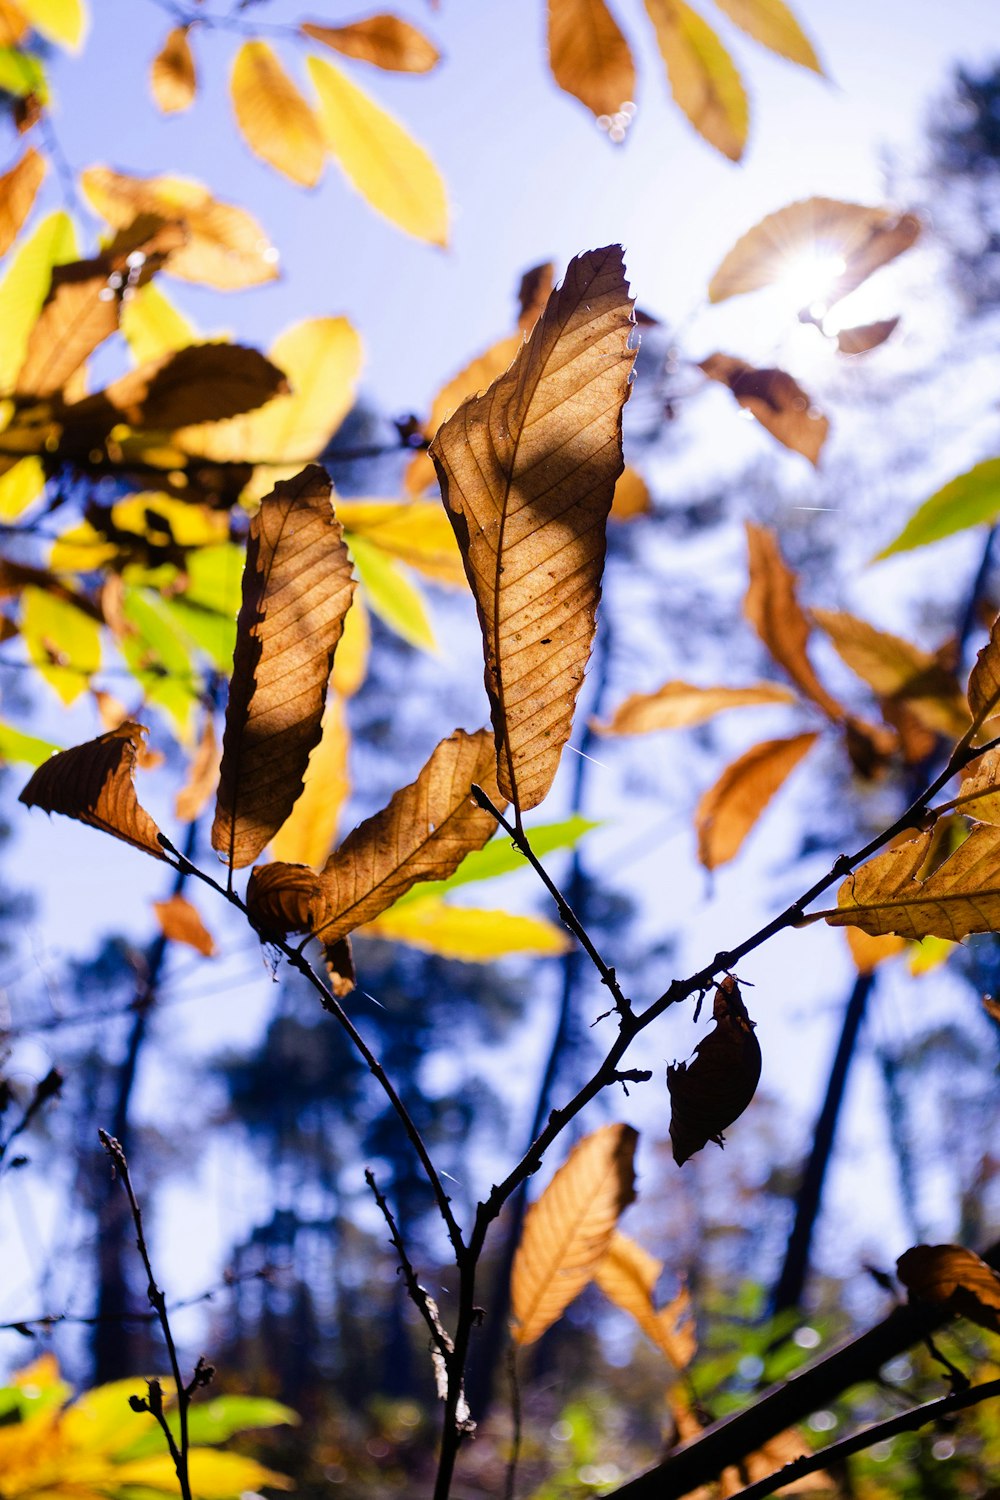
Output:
(778, 402)
(867, 336)
(627, 1275)
(679, 705)
(284, 898)
(774, 611)
(20, 487)
(459, 932)
(527, 476)
(471, 380)
(973, 499)
(589, 56)
(703, 79)
(172, 78)
(62, 21)
(423, 834)
(852, 239)
(226, 248)
(952, 1277)
(417, 532)
(730, 808)
(18, 188)
(714, 1088)
(388, 168)
(979, 794)
(927, 955)
(212, 381)
(152, 326)
(25, 287)
(180, 923)
(93, 783)
(62, 641)
(391, 595)
(868, 951)
(385, 41)
(568, 1230)
(309, 832)
(15, 746)
(771, 23)
(961, 896)
(632, 496)
(500, 857)
(984, 681)
(898, 670)
(13, 23)
(274, 119)
(350, 665)
(215, 1474)
(202, 777)
(297, 588)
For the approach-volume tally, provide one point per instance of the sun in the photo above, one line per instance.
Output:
(809, 277)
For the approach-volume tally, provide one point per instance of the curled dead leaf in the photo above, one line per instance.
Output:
(710, 1092)
(960, 896)
(339, 960)
(950, 1276)
(93, 783)
(778, 402)
(283, 898)
(773, 609)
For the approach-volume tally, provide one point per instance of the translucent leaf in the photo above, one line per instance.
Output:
(500, 857)
(527, 476)
(771, 23)
(773, 609)
(729, 809)
(896, 669)
(388, 168)
(173, 81)
(471, 380)
(417, 532)
(959, 897)
(632, 496)
(274, 119)
(984, 681)
(21, 73)
(712, 1090)
(460, 932)
(25, 287)
(215, 1475)
(868, 952)
(568, 1230)
(926, 956)
(153, 326)
(93, 783)
(160, 659)
(309, 832)
(384, 41)
(627, 1275)
(955, 1278)
(202, 777)
(868, 336)
(20, 487)
(391, 595)
(778, 402)
(423, 834)
(680, 705)
(589, 56)
(973, 499)
(62, 21)
(62, 641)
(26, 749)
(297, 588)
(226, 248)
(180, 922)
(703, 78)
(18, 188)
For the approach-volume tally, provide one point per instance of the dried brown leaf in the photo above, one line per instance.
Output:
(385, 41)
(338, 958)
(527, 476)
(589, 56)
(533, 292)
(203, 775)
(896, 669)
(984, 682)
(778, 402)
(729, 809)
(181, 923)
(173, 81)
(774, 611)
(979, 793)
(297, 588)
(18, 188)
(703, 78)
(93, 783)
(283, 898)
(710, 1092)
(862, 238)
(867, 336)
(680, 705)
(959, 897)
(950, 1276)
(424, 833)
(627, 1275)
(201, 382)
(568, 1230)
(274, 118)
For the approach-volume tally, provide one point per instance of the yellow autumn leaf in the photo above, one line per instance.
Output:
(63, 643)
(172, 78)
(20, 487)
(627, 1275)
(309, 833)
(274, 119)
(632, 497)
(460, 932)
(471, 380)
(868, 952)
(64, 22)
(350, 665)
(25, 286)
(391, 595)
(702, 76)
(417, 532)
(927, 955)
(898, 670)
(153, 326)
(771, 23)
(214, 1475)
(379, 158)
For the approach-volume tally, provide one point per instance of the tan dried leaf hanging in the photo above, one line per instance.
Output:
(710, 1092)
(778, 402)
(896, 669)
(384, 41)
(681, 705)
(283, 898)
(984, 682)
(527, 474)
(627, 1275)
(729, 809)
(18, 189)
(297, 588)
(173, 81)
(180, 922)
(959, 897)
(568, 1230)
(950, 1276)
(589, 56)
(93, 783)
(274, 119)
(774, 611)
(703, 78)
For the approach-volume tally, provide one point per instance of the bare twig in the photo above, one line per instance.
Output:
(45, 1089)
(418, 1295)
(48, 1321)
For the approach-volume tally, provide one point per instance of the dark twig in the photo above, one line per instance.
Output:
(879, 1432)
(48, 1321)
(419, 1295)
(45, 1089)
(178, 1447)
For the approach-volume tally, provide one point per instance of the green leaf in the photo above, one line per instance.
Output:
(215, 576)
(25, 287)
(159, 658)
(25, 748)
(499, 857)
(62, 642)
(209, 629)
(215, 1421)
(973, 499)
(397, 601)
(21, 73)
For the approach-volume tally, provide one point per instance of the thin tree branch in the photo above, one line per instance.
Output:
(48, 1321)
(45, 1089)
(419, 1295)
